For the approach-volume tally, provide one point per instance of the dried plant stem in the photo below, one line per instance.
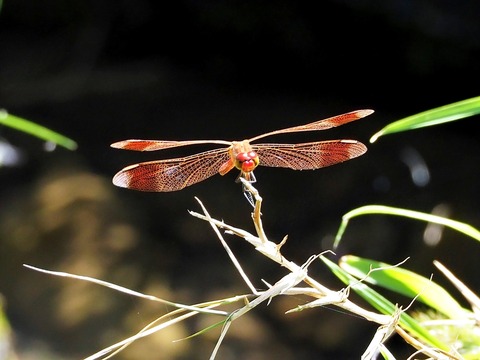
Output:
(287, 285)
(272, 251)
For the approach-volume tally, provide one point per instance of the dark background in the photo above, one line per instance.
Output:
(103, 71)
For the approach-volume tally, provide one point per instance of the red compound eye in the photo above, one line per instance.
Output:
(243, 157)
(252, 154)
(248, 165)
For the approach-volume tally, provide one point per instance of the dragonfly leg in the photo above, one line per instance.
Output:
(248, 196)
(250, 177)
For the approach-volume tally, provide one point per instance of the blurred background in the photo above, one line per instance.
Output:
(104, 71)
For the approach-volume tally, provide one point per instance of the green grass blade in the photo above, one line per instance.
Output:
(440, 115)
(405, 282)
(387, 355)
(207, 328)
(385, 306)
(387, 210)
(39, 131)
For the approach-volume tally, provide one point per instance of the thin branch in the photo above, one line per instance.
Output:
(126, 291)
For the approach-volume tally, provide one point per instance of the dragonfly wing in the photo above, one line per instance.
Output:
(308, 156)
(153, 145)
(321, 124)
(171, 174)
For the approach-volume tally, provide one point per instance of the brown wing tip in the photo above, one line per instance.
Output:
(120, 179)
(123, 177)
(362, 149)
(119, 144)
(356, 149)
(138, 145)
(364, 112)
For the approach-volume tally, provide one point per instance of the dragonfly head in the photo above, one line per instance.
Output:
(243, 156)
(246, 161)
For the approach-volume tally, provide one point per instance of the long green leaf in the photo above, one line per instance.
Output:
(388, 210)
(440, 115)
(383, 305)
(405, 282)
(36, 130)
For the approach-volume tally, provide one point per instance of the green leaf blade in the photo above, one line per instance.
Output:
(36, 130)
(405, 282)
(440, 115)
(383, 305)
(461, 227)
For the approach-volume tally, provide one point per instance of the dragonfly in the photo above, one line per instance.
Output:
(176, 174)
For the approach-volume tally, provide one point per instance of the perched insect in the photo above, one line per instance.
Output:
(176, 174)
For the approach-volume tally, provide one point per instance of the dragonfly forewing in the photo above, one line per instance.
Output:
(323, 124)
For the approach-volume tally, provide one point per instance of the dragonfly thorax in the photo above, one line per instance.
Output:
(245, 159)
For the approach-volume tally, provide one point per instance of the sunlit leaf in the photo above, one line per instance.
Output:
(405, 282)
(417, 215)
(440, 115)
(39, 131)
(383, 305)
